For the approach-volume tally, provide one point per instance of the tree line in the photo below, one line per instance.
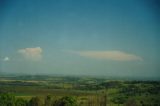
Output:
(7, 99)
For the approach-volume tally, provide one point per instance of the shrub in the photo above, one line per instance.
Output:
(66, 101)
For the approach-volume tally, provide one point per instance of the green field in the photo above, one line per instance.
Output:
(88, 91)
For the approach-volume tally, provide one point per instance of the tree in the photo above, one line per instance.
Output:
(119, 99)
(7, 99)
(66, 101)
(21, 102)
(48, 101)
(35, 101)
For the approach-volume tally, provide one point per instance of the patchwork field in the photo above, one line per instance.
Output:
(87, 91)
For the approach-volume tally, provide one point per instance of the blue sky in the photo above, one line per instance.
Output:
(80, 37)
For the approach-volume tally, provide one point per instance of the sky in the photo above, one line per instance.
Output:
(117, 38)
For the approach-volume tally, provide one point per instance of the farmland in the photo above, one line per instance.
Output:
(88, 91)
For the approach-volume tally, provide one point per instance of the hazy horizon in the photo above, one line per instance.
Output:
(118, 38)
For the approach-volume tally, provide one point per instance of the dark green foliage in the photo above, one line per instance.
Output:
(35, 101)
(119, 99)
(130, 90)
(66, 101)
(48, 100)
(130, 102)
(7, 99)
(111, 84)
(21, 102)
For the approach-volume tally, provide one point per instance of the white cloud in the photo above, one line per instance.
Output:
(109, 55)
(6, 59)
(31, 53)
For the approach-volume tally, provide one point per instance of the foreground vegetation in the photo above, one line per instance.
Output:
(76, 91)
(10, 100)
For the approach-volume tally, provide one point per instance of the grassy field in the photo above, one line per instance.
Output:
(88, 91)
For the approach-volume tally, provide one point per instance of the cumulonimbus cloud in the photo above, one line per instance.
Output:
(109, 55)
(31, 53)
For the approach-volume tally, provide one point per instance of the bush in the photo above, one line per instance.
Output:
(21, 102)
(35, 101)
(7, 99)
(48, 101)
(119, 99)
(131, 102)
(66, 101)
